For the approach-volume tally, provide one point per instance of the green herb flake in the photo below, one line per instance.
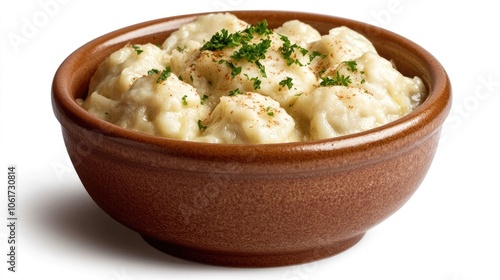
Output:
(223, 39)
(286, 82)
(256, 82)
(137, 49)
(164, 75)
(269, 112)
(253, 52)
(339, 80)
(262, 28)
(203, 99)
(288, 50)
(351, 65)
(315, 54)
(184, 101)
(234, 70)
(201, 126)
(153, 72)
(235, 92)
(250, 52)
(262, 69)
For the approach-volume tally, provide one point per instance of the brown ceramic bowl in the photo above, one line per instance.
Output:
(251, 205)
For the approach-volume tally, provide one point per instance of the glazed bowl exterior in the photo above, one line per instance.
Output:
(251, 205)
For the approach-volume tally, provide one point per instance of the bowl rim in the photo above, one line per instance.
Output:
(437, 103)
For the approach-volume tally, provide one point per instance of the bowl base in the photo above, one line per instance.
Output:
(252, 260)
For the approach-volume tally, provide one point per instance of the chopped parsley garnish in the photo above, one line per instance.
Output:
(153, 72)
(201, 126)
(254, 43)
(253, 52)
(256, 81)
(351, 65)
(269, 112)
(235, 92)
(223, 39)
(249, 52)
(234, 70)
(184, 101)
(286, 82)
(220, 41)
(137, 49)
(164, 75)
(262, 68)
(339, 80)
(288, 49)
(260, 28)
(315, 54)
(203, 99)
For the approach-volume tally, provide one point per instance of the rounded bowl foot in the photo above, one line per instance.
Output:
(235, 259)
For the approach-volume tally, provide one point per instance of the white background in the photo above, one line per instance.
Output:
(449, 230)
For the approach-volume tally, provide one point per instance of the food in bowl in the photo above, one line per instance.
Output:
(219, 79)
(251, 205)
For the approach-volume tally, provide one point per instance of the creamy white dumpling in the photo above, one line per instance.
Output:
(98, 105)
(298, 32)
(335, 111)
(194, 34)
(249, 118)
(341, 44)
(184, 44)
(382, 79)
(119, 71)
(169, 108)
